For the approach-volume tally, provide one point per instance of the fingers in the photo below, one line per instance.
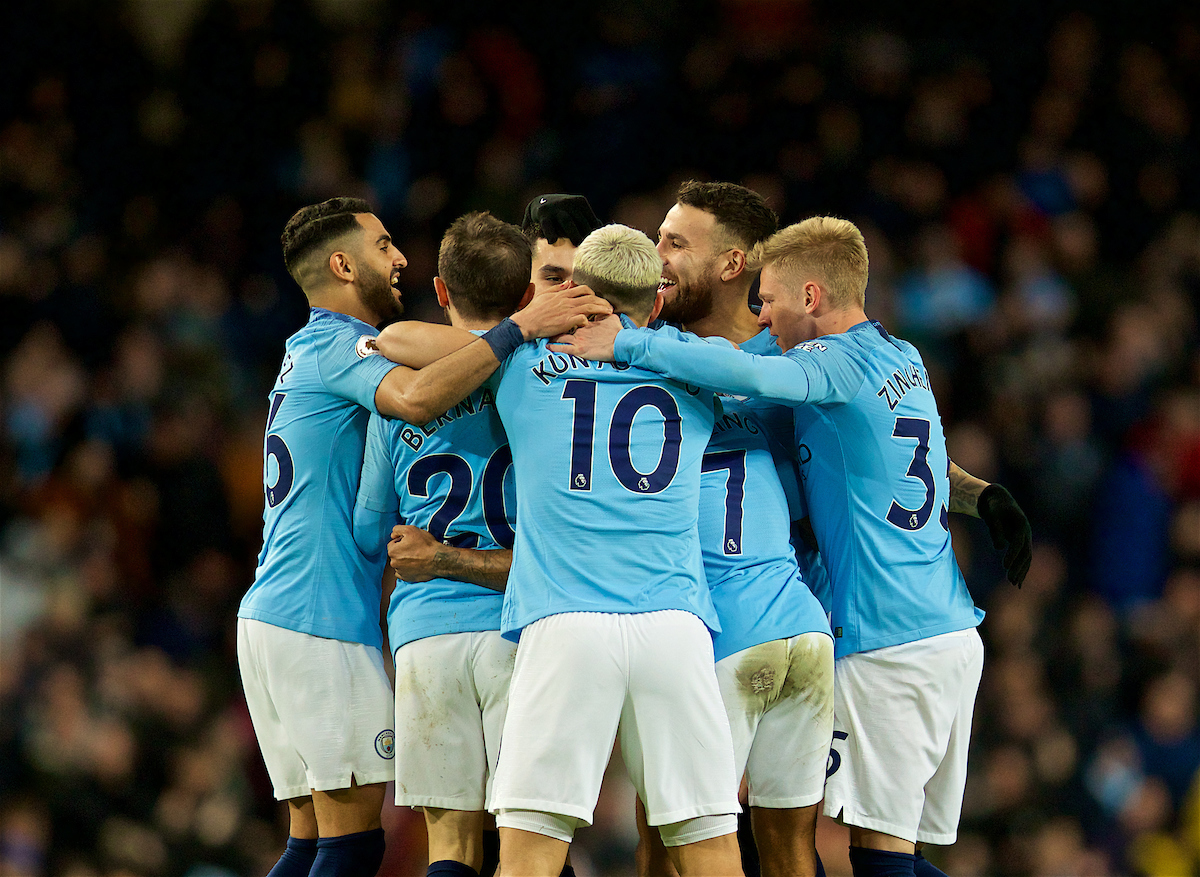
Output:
(1020, 568)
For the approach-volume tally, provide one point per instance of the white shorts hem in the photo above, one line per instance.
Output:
(292, 792)
(555, 808)
(361, 777)
(870, 824)
(787, 803)
(724, 809)
(418, 802)
(941, 840)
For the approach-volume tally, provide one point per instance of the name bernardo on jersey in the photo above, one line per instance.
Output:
(415, 436)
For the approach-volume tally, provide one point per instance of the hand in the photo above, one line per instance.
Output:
(1008, 527)
(592, 341)
(561, 216)
(412, 553)
(558, 311)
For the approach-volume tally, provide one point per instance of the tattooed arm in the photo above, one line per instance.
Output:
(417, 557)
(964, 491)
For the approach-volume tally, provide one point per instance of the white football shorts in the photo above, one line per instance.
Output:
(779, 699)
(583, 679)
(901, 728)
(451, 697)
(321, 708)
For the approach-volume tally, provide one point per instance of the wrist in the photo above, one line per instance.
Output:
(990, 494)
(526, 333)
(504, 338)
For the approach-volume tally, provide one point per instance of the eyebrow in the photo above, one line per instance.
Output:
(382, 238)
(552, 269)
(672, 236)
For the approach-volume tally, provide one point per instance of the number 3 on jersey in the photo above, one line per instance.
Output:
(583, 435)
(914, 519)
(276, 449)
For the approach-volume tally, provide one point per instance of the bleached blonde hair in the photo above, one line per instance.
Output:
(621, 265)
(830, 249)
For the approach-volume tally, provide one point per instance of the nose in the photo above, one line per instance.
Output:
(764, 316)
(660, 246)
(400, 261)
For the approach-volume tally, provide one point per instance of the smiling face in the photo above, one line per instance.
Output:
(553, 264)
(783, 308)
(687, 242)
(379, 264)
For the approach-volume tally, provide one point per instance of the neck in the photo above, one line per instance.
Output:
(836, 322)
(342, 301)
(730, 318)
(481, 324)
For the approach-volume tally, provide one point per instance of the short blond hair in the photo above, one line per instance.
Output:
(831, 249)
(620, 264)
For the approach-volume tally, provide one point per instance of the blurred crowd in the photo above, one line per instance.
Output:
(1028, 181)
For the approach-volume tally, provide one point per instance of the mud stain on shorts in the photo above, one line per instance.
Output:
(810, 674)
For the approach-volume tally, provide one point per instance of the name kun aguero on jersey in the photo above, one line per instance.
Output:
(902, 380)
(553, 364)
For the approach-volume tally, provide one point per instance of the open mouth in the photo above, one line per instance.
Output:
(666, 284)
(395, 281)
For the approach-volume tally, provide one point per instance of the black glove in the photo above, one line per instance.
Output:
(1009, 527)
(561, 216)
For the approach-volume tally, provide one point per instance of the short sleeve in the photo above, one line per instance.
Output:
(350, 368)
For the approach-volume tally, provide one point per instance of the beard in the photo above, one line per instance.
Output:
(376, 292)
(692, 302)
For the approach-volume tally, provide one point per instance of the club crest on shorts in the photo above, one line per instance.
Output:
(385, 743)
(365, 346)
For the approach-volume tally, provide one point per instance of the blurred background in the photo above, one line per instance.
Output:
(1028, 180)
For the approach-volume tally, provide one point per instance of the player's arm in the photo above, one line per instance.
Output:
(792, 379)
(417, 557)
(417, 344)
(376, 508)
(419, 395)
(1006, 522)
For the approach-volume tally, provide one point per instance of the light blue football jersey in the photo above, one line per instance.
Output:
(607, 465)
(311, 577)
(874, 472)
(745, 527)
(452, 477)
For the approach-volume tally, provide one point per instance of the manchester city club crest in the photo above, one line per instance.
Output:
(385, 744)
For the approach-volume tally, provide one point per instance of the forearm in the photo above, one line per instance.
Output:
(420, 396)
(965, 489)
(417, 344)
(771, 378)
(488, 568)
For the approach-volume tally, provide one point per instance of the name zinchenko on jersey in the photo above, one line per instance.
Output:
(901, 381)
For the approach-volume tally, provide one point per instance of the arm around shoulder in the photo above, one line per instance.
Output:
(416, 344)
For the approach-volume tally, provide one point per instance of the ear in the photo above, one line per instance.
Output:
(527, 297)
(443, 294)
(658, 306)
(342, 266)
(735, 264)
(811, 296)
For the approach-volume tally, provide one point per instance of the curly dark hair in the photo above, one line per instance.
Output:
(742, 212)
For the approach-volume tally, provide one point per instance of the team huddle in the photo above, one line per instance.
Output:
(621, 505)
